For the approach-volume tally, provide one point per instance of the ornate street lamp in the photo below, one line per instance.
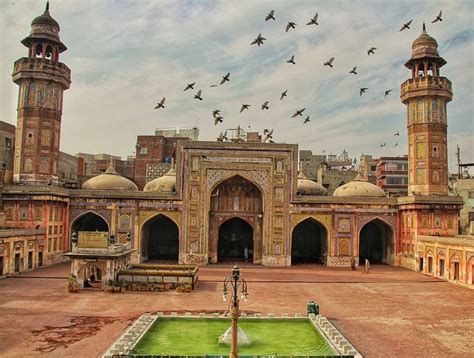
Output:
(235, 281)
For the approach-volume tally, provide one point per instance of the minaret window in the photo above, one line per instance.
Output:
(39, 50)
(430, 70)
(421, 70)
(49, 53)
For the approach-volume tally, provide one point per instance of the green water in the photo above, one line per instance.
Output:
(181, 336)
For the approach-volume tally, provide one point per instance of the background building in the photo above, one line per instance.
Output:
(392, 175)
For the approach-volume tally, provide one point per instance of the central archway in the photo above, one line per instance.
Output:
(309, 242)
(160, 239)
(236, 207)
(375, 242)
(235, 241)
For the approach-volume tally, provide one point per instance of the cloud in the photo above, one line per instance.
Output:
(127, 55)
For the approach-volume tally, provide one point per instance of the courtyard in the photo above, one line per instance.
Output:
(391, 312)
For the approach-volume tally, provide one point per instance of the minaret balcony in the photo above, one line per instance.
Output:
(41, 68)
(426, 86)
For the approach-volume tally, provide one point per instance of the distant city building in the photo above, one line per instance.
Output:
(191, 133)
(368, 168)
(465, 188)
(331, 171)
(392, 175)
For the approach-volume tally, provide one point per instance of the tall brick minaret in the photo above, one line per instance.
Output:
(426, 94)
(42, 80)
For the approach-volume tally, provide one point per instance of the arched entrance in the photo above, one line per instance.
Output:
(375, 242)
(235, 220)
(89, 222)
(309, 243)
(235, 241)
(160, 239)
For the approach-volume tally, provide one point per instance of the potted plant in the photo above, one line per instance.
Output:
(110, 285)
(123, 284)
(72, 285)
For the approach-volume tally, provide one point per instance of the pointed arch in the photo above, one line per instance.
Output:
(376, 242)
(160, 238)
(309, 242)
(89, 221)
(235, 241)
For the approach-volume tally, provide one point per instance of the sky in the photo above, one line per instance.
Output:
(127, 55)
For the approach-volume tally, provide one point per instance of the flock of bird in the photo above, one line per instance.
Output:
(259, 41)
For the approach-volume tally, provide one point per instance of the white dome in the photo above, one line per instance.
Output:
(359, 187)
(163, 184)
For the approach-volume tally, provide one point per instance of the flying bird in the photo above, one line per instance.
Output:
(268, 135)
(398, 133)
(354, 71)
(438, 18)
(329, 63)
(314, 20)
(406, 26)
(306, 120)
(218, 119)
(387, 92)
(161, 104)
(283, 94)
(222, 137)
(265, 105)
(259, 40)
(292, 60)
(225, 78)
(244, 106)
(291, 25)
(190, 86)
(362, 90)
(298, 112)
(216, 112)
(270, 16)
(382, 144)
(396, 144)
(198, 95)
(371, 51)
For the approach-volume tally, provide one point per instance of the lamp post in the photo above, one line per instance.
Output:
(235, 280)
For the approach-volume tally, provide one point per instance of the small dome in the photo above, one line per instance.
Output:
(359, 187)
(425, 46)
(109, 180)
(304, 186)
(45, 19)
(163, 184)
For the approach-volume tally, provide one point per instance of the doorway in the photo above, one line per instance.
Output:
(235, 241)
(17, 262)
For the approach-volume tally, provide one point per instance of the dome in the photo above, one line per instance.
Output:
(359, 187)
(163, 184)
(109, 180)
(305, 186)
(425, 46)
(45, 19)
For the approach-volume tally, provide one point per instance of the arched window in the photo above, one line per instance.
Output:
(39, 51)
(430, 70)
(49, 53)
(421, 70)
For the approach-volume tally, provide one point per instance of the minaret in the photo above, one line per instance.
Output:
(426, 95)
(42, 80)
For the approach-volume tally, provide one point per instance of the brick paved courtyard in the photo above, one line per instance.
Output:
(391, 312)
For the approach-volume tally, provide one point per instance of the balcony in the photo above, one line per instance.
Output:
(423, 86)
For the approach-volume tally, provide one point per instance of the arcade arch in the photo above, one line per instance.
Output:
(376, 242)
(309, 242)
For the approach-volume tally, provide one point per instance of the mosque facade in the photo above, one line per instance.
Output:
(237, 200)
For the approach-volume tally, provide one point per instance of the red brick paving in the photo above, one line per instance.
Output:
(390, 312)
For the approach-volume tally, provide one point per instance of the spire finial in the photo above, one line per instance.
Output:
(424, 27)
(46, 11)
